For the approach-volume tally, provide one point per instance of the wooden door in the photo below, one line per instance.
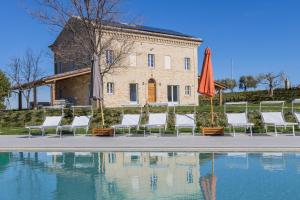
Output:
(151, 91)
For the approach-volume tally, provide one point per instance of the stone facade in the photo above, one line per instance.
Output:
(168, 71)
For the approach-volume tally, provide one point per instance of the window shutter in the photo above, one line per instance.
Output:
(132, 59)
(167, 62)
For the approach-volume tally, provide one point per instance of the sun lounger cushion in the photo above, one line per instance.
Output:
(157, 119)
(186, 120)
(81, 121)
(238, 154)
(138, 154)
(297, 115)
(236, 119)
(52, 121)
(130, 120)
(158, 154)
(275, 118)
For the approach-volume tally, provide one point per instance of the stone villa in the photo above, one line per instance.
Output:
(161, 67)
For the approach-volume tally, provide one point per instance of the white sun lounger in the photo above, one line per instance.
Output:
(273, 161)
(158, 154)
(129, 121)
(185, 121)
(237, 160)
(86, 162)
(275, 119)
(296, 114)
(78, 122)
(49, 123)
(156, 120)
(238, 120)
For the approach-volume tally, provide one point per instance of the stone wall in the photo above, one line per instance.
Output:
(140, 74)
(75, 89)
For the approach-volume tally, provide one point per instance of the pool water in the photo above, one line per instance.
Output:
(149, 175)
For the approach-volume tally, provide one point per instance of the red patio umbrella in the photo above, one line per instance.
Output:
(208, 184)
(206, 84)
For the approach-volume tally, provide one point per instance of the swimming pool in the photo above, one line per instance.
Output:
(149, 175)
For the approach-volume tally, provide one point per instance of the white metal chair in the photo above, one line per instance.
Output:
(49, 123)
(156, 120)
(295, 113)
(273, 161)
(57, 159)
(83, 160)
(275, 119)
(237, 160)
(238, 120)
(185, 121)
(129, 121)
(78, 121)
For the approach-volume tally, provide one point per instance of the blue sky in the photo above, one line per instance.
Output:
(259, 35)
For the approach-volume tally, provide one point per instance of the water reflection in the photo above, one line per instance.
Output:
(148, 175)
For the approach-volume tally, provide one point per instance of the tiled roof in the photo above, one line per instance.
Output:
(150, 29)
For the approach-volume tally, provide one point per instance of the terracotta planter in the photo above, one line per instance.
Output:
(213, 131)
(103, 131)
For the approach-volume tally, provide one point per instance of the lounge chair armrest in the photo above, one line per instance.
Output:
(65, 126)
(33, 127)
(185, 125)
(241, 124)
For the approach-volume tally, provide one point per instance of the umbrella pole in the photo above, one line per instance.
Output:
(213, 164)
(212, 111)
(102, 113)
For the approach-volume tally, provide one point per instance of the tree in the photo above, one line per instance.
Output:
(4, 88)
(92, 29)
(230, 83)
(271, 80)
(24, 71)
(247, 82)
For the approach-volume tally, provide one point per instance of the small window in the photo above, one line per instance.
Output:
(132, 59)
(189, 176)
(187, 90)
(173, 93)
(151, 60)
(133, 93)
(109, 56)
(167, 62)
(187, 63)
(110, 88)
(112, 158)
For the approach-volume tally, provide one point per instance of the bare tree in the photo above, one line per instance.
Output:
(91, 28)
(271, 80)
(24, 71)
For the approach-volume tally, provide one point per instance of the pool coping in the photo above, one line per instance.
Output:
(152, 149)
(282, 143)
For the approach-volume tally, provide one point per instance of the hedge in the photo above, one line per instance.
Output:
(259, 95)
(15, 119)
